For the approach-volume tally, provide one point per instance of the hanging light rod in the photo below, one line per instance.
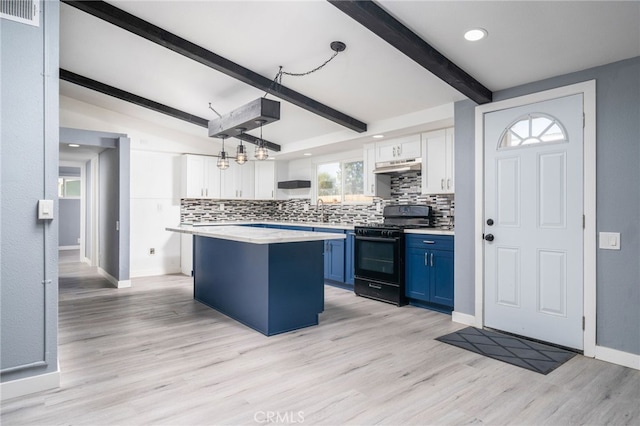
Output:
(247, 117)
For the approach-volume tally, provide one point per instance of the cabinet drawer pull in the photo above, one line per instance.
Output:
(376, 286)
(428, 242)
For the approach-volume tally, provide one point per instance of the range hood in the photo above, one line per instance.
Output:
(399, 166)
(294, 184)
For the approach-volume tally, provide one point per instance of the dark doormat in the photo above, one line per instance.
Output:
(513, 350)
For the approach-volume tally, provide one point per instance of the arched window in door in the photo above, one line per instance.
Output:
(531, 129)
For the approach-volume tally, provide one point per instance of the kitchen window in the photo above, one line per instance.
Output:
(341, 182)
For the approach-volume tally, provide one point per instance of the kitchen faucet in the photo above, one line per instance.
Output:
(320, 203)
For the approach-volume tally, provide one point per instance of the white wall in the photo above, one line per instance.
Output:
(155, 204)
(155, 180)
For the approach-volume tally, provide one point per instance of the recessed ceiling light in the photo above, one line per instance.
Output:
(271, 158)
(307, 154)
(378, 136)
(74, 145)
(475, 34)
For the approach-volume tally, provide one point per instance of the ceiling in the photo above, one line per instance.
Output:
(370, 81)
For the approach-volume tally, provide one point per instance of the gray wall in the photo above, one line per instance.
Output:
(108, 213)
(618, 197)
(68, 222)
(29, 170)
(69, 171)
(87, 220)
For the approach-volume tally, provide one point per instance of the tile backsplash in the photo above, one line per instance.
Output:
(405, 189)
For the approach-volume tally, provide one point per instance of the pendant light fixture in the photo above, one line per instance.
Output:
(241, 153)
(261, 150)
(223, 160)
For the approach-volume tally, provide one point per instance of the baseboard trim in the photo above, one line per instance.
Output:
(113, 280)
(29, 385)
(68, 247)
(615, 356)
(465, 319)
(154, 272)
(86, 260)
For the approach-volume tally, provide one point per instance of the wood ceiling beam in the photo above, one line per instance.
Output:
(385, 26)
(142, 28)
(88, 83)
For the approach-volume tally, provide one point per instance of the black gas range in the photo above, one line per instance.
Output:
(379, 252)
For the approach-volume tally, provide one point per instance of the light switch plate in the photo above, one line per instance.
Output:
(45, 209)
(609, 240)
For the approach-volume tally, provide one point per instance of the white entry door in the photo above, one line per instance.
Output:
(534, 220)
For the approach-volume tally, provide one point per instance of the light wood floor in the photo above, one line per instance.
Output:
(150, 354)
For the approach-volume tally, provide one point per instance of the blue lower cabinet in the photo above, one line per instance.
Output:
(349, 266)
(441, 290)
(429, 269)
(333, 256)
(417, 274)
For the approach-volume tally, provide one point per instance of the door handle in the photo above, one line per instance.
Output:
(425, 259)
(371, 187)
(448, 183)
(376, 286)
(489, 237)
(429, 242)
(441, 183)
(431, 259)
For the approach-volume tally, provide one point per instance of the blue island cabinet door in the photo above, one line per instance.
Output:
(441, 291)
(335, 265)
(418, 274)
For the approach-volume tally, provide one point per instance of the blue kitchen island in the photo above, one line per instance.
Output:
(271, 280)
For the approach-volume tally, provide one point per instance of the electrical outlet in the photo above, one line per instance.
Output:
(221, 206)
(306, 207)
(152, 251)
(379, 207)
(280, 206)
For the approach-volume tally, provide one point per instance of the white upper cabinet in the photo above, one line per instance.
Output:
(200, 177)
(369, 160)
(265, 180)
(237, 182)
(437, 162)
(375, 185)
(399, 149)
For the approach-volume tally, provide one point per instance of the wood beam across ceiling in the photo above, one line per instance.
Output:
(385, 26)
(147, 30)
(89, 83)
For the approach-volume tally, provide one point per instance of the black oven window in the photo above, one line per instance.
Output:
(376, 257)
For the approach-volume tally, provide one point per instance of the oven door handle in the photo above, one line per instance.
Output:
(390, 239)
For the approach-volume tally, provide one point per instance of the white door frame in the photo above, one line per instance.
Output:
(588, 89)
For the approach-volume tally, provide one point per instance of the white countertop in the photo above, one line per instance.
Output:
(248, 234)
(328, 225)
(430, 231)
